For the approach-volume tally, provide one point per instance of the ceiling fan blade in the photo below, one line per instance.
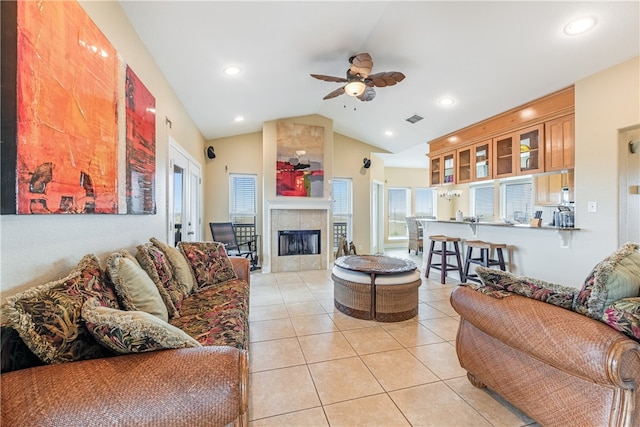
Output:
(335, 93)
(387, 78)
(368, 94)
(361, 64)
(329, 78)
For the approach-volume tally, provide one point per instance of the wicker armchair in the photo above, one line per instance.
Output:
(415, 234)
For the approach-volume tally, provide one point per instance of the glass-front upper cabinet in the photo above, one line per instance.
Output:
(465, 170)
(449, 168)
(503, 158)
(530, 146)
(482, 161)
(436, 169)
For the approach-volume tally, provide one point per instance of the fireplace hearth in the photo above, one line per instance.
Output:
(299, 242)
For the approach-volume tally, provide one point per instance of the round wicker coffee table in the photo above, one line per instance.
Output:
(376, 287)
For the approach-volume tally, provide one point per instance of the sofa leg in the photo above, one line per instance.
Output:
(474, 381)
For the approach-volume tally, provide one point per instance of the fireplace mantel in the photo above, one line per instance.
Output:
(294, 205)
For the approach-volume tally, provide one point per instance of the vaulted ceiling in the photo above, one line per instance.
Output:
(488, 56)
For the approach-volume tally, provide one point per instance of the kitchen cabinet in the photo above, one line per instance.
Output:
(560, 143)
(503, 157)
(442, 170)
(474, 162)
(530, 146)
(519, 153)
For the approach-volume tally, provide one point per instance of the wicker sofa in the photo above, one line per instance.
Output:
(564, 356)
(133, 373)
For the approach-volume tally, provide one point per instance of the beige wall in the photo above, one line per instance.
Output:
(39, 248)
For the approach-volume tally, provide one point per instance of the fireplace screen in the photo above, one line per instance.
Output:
(298, 242)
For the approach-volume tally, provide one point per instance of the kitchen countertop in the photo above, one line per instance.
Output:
(499, 224)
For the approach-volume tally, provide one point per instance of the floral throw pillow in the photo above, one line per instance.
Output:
(551, 293)
(126, 332)
(48, 317)
(181, 270)
(624, 316)
(615, 277)
(209, 263)
(155, 263)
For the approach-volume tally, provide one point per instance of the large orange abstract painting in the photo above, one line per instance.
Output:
(66, 112)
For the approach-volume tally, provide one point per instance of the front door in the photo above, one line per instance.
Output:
(184, 196)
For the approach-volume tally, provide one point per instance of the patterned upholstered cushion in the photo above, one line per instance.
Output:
(231, 294)
(624, 316)
(487, 290)
(225, 327)
(551, 293)
(134, 287)
(157, 266)
(209, 263)
(48, 317)
(614, 278)
(132, 331)
(181, 269)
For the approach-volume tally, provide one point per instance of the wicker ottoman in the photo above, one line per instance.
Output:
(395, 296)
(352, 292)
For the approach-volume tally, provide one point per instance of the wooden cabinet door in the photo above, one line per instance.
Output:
(436, 170)
(504, 159)
(464, 157)
(529, 150)
(559, 143)
(481, 161)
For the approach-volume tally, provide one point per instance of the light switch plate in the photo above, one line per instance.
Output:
(592, 206)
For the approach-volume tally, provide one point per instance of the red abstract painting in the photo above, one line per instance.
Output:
(141, 146)
(66, 112)
(299, 164)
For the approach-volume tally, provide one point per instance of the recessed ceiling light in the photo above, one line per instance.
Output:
(580, 25)
(388, 133)
(232, 70)
(446, 101)
(238, 119)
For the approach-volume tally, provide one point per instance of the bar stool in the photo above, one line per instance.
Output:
(483, 259)
(443, 265)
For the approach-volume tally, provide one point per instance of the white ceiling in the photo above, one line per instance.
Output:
(489, 56)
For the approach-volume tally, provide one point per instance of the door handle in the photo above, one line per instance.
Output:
(191, 232)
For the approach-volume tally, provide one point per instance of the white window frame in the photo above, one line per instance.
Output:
(232, 198)
(433, 197)
(347, 205)
(472, 199)
(503, 196)
(407, 212)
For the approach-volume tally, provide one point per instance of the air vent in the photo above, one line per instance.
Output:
(414, 119)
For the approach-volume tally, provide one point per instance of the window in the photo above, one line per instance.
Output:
(482, 202)
(242, 199)
(399, 208)
(424, 202)
(342, 209)
(517, 201)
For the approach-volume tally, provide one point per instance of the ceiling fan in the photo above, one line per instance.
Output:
(360, 82)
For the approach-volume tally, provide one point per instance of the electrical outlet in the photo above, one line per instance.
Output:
(592, 206)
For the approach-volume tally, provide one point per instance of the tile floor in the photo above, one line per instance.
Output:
(311, 365)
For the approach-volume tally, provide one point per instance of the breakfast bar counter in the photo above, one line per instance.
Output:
(530, 251)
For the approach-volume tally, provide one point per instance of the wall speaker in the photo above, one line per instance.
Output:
(634, 146)
(210, 152)
(367, 163)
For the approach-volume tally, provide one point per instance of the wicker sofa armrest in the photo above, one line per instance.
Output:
(192, 386)
(569, 341)
(241, 266)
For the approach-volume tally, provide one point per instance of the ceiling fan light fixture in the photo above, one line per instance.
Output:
(355, 88)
